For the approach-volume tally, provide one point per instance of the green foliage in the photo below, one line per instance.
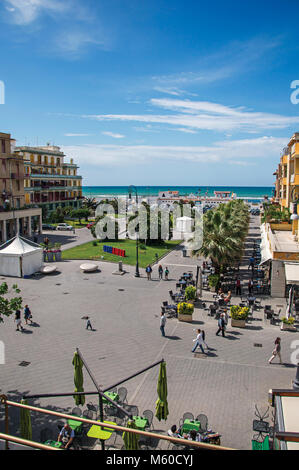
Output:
(80, 214)
(288, 321)
(273, 212)
(105, 228)
(190, 293)
(239, 313)
(8, 304)
(185, 308)
(213, 280)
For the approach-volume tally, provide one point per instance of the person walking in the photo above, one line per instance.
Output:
(251, 263)
(166, 272)
(250, 286)
(162, 323)
(148, 271)
(18, 320)
(221, 325)
(204, 339)
(198, 342)
(27, 315)
(88, 324)
(160, 271)
(276, 351)
(238, 287)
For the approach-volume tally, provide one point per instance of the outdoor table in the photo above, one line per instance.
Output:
(53, 443)
(112, 395)
(140, 422)
(190, 424)
(103, 434)
(75, 425)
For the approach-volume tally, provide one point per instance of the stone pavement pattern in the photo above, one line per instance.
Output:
(125, 312)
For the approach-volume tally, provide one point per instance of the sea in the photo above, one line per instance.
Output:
(250, 193)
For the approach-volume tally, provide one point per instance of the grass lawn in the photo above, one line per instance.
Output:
(89, 251)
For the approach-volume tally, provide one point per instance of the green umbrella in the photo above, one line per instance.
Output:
(161, 404)
(130, 438)
(78, 379)
(25, 422)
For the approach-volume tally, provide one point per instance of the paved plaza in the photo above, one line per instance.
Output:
(225, 385)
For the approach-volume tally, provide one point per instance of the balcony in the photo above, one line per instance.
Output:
(294, 179)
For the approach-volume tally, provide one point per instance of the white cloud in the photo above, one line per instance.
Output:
(27, 11)
(76, 135)
(206, 116)
(240, 152)
(113, 134)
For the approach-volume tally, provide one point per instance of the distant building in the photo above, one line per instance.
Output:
(15, 217)
(50, 182)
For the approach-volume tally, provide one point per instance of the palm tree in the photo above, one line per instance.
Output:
(90, 203)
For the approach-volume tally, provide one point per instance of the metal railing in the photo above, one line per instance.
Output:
(174, 440)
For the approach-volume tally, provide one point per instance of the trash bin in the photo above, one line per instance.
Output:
(184, 253)
(120, 266)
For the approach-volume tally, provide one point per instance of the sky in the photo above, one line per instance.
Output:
(145, 92)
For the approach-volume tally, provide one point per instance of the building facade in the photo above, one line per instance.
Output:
(15, 217)
(287, 179)
(49, 181)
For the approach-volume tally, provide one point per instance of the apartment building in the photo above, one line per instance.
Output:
(287, 179)
(49, 181)
(14, 216)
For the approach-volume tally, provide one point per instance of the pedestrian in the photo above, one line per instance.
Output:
(250, 286)
(204, 339)
(27, 315)
(221, 325)
(160, 271)
(162, 323)
(238, 287)
(46, 241)
(18, 320)
(35, 237)
(198, 342)
(166, 272)
(251, 262)
(276, 351)
(225, 317)
(148, 271)
(88, 324)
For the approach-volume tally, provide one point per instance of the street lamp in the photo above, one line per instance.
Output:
(131, 190)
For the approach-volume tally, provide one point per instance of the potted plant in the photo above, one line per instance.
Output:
(213, 281)
(57, 251)
(185, 311)
(287, 324)
(43, 245)
(239, 316)
(190, 294)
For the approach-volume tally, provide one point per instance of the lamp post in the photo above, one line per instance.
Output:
(131, 190)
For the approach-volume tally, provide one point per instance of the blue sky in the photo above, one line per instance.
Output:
(147, 92)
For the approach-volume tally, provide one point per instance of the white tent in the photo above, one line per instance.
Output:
(20, 257)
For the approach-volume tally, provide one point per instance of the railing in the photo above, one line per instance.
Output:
(180, 441)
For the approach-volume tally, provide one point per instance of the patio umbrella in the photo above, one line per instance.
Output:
(25, 422)
(161, 403)
(131, 439)
(78, 379)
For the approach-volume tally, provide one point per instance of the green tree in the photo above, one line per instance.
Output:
(80, 214)
(8, 304)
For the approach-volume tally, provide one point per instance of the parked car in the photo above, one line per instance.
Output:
(90, 225)
(64, 227)
(48, 227)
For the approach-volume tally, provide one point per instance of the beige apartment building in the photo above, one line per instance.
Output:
(14, 217)
(49, 181)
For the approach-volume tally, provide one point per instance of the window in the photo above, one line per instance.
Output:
(3, 146)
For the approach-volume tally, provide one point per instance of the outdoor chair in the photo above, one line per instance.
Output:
(149, 415)
(46, 434)
(111, 410)
(111, 441)
(76, 411)
(203, 422)
(122, 393)
(112, 390)
(92, 407)
(88, 414)
(186, 416)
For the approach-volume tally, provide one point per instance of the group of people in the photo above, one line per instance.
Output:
(149, 271)
(27, 318)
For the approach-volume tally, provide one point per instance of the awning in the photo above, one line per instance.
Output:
(266, 254)
(292, 273)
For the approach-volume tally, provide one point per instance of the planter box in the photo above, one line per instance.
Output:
(50, 256)
(238, 323)
(58, 256)
(286, 327)
(182, 317)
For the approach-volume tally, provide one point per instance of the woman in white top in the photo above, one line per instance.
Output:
(198, 342)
